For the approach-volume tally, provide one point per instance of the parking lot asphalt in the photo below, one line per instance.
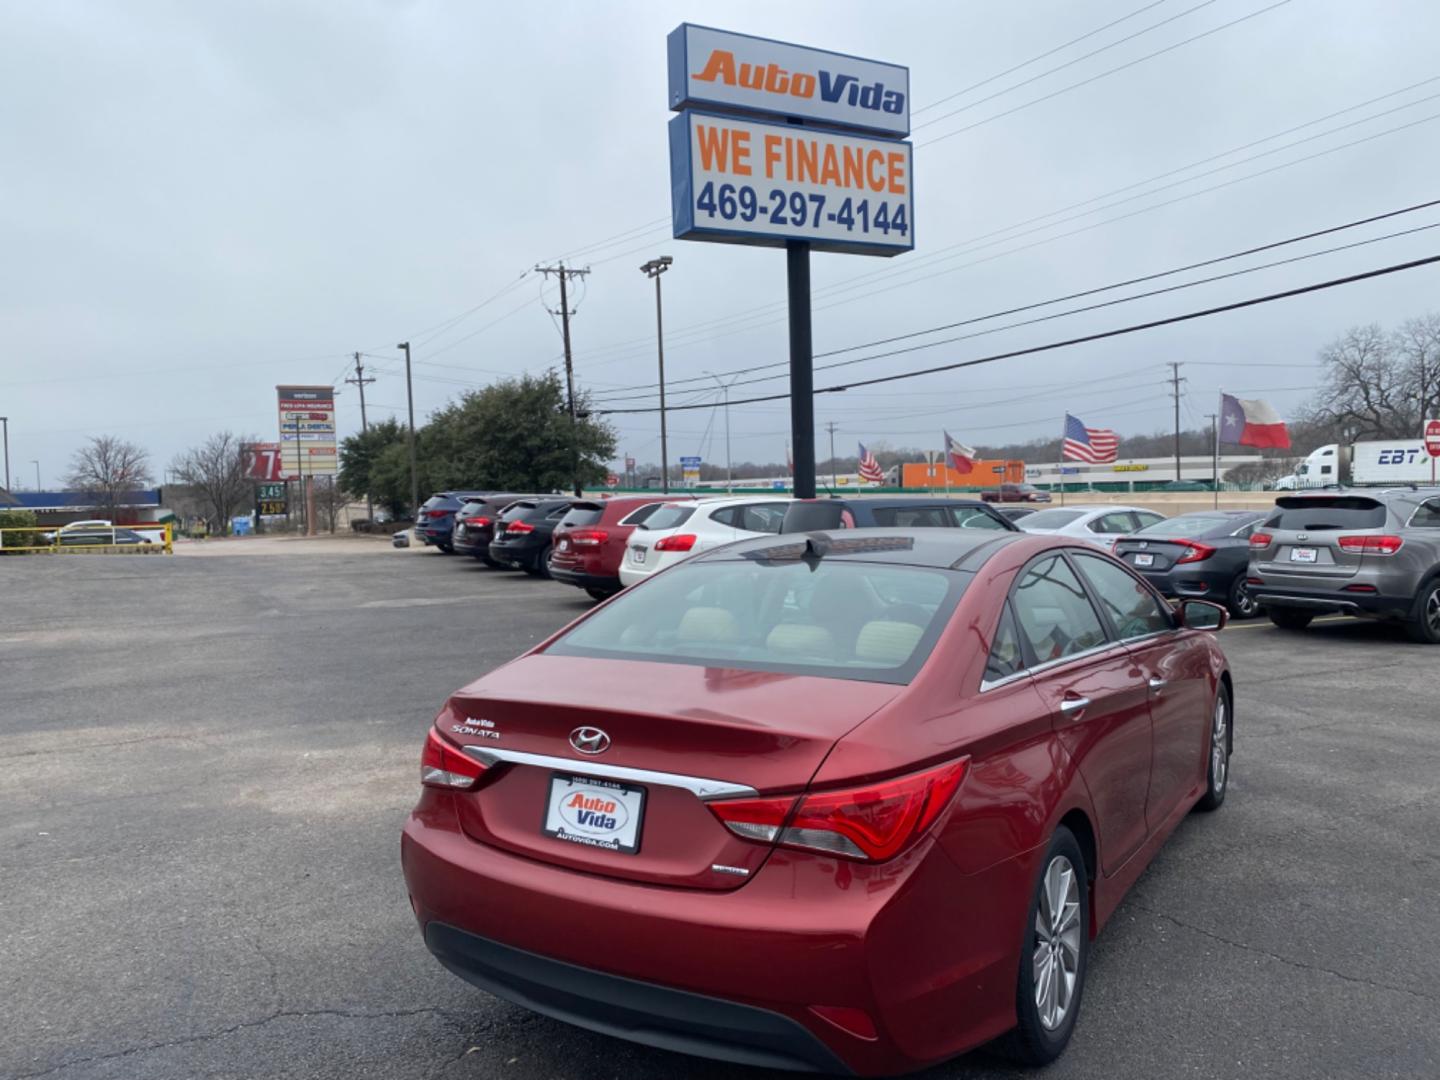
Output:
(207, 762)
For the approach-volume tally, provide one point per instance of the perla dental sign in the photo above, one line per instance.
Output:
(720, 70)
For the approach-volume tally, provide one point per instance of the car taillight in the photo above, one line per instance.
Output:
(1194, 552)
(874, 823)
(683, 542)
(588, 537)
(443, 766)
(477, 522)
(519, 528)
(1371, 545)
(1261, 540)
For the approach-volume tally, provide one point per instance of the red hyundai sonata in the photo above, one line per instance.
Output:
(849, 803)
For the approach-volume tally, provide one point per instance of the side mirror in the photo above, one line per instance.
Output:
(1203, 615)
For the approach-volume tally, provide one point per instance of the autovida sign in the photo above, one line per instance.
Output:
(778, 143)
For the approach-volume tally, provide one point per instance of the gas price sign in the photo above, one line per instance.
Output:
(757, 182)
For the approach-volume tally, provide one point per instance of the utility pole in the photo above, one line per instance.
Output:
(565, 275)
(5, 420)
(725, 389)
(37, 473)
(410, 404)
(654, 268)
(802, 373)
(1215, 464)
(830, 426)
(360, 380)
(1175, 381)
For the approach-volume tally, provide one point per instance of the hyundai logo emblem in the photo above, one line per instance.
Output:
(589, 740)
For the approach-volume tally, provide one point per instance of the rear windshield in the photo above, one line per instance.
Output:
(580, 516)
(844, 620)
(1318, 515)
(433, 501)
(644, 513)
(1192, 525)
(669, 517)
(515, 510)
(1050, 519)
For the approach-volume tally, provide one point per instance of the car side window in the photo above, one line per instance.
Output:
(762, 517)
(1244, 531)
(1006, 657)
(1132, 607)
(637, 516)
(1111, 523)
(1055, 615)
(1427, 516)
(1143, 519)
(912, 517)
(727, 515)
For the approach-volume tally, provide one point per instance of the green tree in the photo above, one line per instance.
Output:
(368, 462)
(515, 436)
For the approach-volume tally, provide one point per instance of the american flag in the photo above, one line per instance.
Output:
(1094, 445)
(870, 468)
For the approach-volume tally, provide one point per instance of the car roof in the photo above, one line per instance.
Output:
(887, 501)
(955, 549)
(726, 500)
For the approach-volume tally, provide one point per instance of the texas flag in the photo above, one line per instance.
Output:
(960, 456)
(1251, 423)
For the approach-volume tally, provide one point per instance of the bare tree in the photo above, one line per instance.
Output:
(215, 471)
(1417, 349)
(1365, 393)
(330, 499)
(107, 469)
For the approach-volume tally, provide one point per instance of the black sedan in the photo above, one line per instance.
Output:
(523, 533)
(1204, 555)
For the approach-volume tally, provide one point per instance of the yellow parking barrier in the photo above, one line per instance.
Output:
(91, 540)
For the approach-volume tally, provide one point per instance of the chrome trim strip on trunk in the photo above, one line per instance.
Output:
(701, 787)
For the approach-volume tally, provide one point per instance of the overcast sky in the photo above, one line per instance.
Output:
(203, 200)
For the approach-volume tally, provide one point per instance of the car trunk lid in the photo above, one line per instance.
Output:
(675, 736)
(1305, 536)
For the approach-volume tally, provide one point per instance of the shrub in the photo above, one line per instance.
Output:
(18, 519)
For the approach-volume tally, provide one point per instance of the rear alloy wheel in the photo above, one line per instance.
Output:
(541, 567)
(1217, 776)
(1289, 618)
(1241, 604)
(1052, 964)
(1424, 624)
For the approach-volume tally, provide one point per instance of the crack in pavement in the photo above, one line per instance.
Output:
(279, 1014)
(1301, 965)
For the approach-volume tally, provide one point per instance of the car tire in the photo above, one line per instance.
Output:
(1217, 772)
(541, 567)
(599, 594)
(1241, 604)
(1289, 618)
(1054, 957)
(445, 549)
(1424, 623)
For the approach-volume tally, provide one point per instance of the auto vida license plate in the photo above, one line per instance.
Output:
(595, 813)
(1304, 554)
(1144, 560)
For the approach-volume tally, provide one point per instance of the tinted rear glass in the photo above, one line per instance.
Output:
(834, 618)
(1050, 519)
(813, 517)
(1319, 515)
(644, 513)
(580, 516)
(1192, 525)
(669, 517)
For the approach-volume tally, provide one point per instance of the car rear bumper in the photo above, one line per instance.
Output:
(1375, 604)
(521, 558)
(1177, 584)
(583, 579)
(929, 954)
(630, 1009)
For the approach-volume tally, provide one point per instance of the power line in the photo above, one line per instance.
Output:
(1087, 338)
(1094, 291)
(1038, 58)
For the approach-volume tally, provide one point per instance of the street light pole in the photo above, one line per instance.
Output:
(654, 268)
(410, 404)
(37, 473)
(725, 390)
(5, 420)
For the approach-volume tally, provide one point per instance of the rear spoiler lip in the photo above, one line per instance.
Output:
(703, 788)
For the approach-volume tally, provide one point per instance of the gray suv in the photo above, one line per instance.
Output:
(1368, 553)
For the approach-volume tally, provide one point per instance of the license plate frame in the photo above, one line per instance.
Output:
(568, 824)
(1307, 555)
(637, 555)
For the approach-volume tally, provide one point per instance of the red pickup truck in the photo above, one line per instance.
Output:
(1022, 493)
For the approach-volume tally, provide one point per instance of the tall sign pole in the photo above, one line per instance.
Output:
(781, 145)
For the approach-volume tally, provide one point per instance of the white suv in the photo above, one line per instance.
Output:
(678, 530)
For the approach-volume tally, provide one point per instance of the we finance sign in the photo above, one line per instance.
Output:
(717, 69)
(749, 181)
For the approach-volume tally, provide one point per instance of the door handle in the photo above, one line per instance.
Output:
(1074, 706)
(1157, 683)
